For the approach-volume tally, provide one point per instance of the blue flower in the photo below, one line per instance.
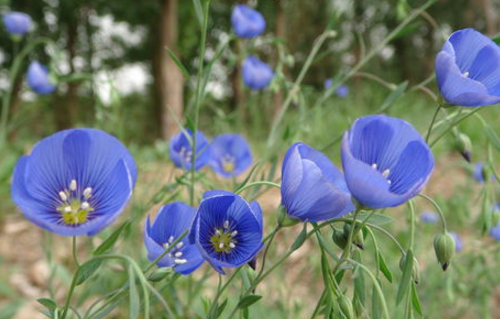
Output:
(312, 188)
(38, 79)
(227, 230)
(230, 155)
(170, 223)
(468, 69)
(74, 182)
(181, 150)
(386, 161)
(328, 83)
(479, 172)
(256, 74)
(459, 245)
(17, 23)
(429, 217)
(247, 22)
(342, 91)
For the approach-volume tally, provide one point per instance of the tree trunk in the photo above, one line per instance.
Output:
(171, 83)
(490, 17)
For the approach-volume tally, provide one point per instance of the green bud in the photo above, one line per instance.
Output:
(286, 221)
(464, 146)
(415, 271)
(495, 217)
(160, 274)
(339, 238)
(444, 246)
(358, 239)
(346, 308)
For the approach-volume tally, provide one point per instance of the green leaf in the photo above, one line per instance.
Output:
(359, 280)
(299, 241)
(247, 178)
(87, 270)
(133, 295)
(221, 308)
(376, 219)
(247, 301)
(393, 97)
(48, 303)
(406, 278)
(178, 62)
(111, 240)
(376, 305)
(198, 9)
(415, 300)
(383, 267)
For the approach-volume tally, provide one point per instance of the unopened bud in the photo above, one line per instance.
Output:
(339, 238)
(160, 274)
(415, 268)
(464, 146)
(444, 246)
(358, 239)
(346, 308)
(284, 220)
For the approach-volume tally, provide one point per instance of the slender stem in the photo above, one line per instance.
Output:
(440, 212)
(455, 123)
(254, 184)
(213, 306)
(273, 234)
(318, 305)
(170, 247)
(412, 224)
(75, 255)
(347, 249)
(432, 123)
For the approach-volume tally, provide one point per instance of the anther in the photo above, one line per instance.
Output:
(87, 192)
(179, 245)
(234, 233)
(221, 245)
(68, 209)
(171, 239)
(85, 205)
(178, 254)
(72, 185)
(226, 224)
(466, 74)
(63, 196)
(166, 245)
(180, 261)
(386, 173)
(374, 165)
(232, 245)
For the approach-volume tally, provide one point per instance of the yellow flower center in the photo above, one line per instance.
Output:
(223, 239)
(73, 208)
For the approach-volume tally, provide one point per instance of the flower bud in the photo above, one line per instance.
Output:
(160, 274)
(415, 271)
(464, 146)
(358, 239)
(339, 238)
(346, 308)
(284, 220)
(444, 246)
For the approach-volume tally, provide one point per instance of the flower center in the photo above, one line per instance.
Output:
(228, 164)
(385, 173)
(174, 252)
(186, 154)
(74, 206)
(223, 238)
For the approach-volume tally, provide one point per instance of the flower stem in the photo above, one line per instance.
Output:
(75, 255)
(455, 123)
(254, 184)
(432, 123)
(440, 212)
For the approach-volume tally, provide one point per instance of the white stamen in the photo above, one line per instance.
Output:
(374, 165)
(221, 245)
(63, 196)
(67, 209)
(386, 173)
(217, 232)
(389, 181)
(72, 185)
(232, 245)
(87, 192)
(466, 74)
(171, 239)
(234, 233)
(226, 224)
(169, 255)
(179, 245)
(166, 246)
(178, 254)
(180, 261)
(85, 205)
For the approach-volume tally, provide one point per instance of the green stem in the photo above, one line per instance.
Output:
(455, 123)
(412, 224)
(254, 184)
(440, 212)
(75, 255)
(199, 88)
(432, 123)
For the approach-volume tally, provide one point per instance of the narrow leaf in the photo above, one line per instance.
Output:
(111, 240)
(48, 303)
(415, 300)
(393, 97)
(406, 278)
(249, 300)
(87, 270)
(133, 295)
(383, 267)
(299, 241)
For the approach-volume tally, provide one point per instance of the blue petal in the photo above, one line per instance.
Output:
(182, 141)
(154, 248)
(256, 74)
(247, 22)
(216, 192)
(235, 146)
(38, 79)
(258, 213)
(172, 220)
(467, 43)
(17, 23)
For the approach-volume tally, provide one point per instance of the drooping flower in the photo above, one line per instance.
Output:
(247, 22)
(459, 245)
(386, 161)
(227, 230)
(256, 74)
(342, 91)
(17, 23)
(230, 155)
(312, 188)
(38, 79)
(74, 182)
(170, 223)
(468, 69)
(181, 151)
(429, 217)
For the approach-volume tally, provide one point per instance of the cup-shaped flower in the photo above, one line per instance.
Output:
(181, 150)
(227, 230)
(386, 161)
(429, 217)
(247, 22)
(38, 79)
(171, 222)
(74, 182)
(312, 188)
(17, 23)
(459, 245)
(256, 74)
(230, 155)
(468, 69)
